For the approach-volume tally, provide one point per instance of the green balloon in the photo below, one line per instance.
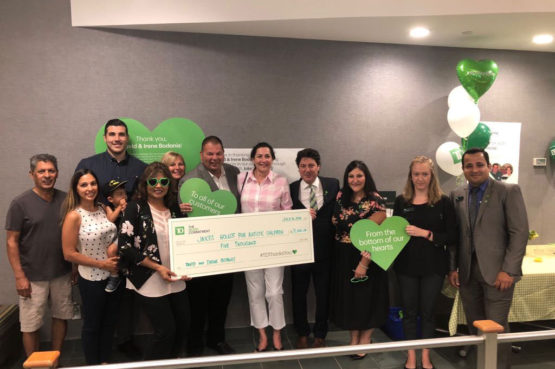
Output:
(477, 76)
(478, 138)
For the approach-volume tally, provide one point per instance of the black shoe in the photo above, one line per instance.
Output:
(195, 351)
(129, 349)
(222, 348)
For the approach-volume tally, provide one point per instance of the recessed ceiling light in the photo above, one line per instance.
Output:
(419, 32)
(542, 39)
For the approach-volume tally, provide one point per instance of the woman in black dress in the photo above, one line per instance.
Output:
(359, 291)
(423, 263)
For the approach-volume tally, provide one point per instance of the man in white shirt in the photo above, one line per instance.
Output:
(317, 194)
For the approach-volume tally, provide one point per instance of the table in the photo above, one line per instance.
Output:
(534, 296)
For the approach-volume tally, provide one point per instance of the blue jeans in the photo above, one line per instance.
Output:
(100, 312)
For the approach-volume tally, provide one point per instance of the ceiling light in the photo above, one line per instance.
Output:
(542, 39)
(419, 32)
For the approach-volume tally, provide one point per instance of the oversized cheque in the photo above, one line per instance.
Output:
(230, 243)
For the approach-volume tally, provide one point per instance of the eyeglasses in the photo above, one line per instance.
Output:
(152, 182)
(358, 280)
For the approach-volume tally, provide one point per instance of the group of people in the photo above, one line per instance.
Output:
(114, 220)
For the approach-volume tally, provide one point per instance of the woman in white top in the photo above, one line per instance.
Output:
(86, 236)
(263, 190)
(145, 259)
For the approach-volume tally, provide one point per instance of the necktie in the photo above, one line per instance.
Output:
(312, 198)
(473, 206)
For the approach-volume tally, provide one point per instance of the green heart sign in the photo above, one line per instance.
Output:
(175, 134)
(196, 192)
(384, 242)
(477, 76)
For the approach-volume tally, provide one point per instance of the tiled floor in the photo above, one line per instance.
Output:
(537, 355)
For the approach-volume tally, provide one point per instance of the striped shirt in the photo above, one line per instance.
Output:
(270, 195)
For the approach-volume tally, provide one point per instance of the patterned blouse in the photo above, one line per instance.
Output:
(137, 240)
(346, 213)
(270, 195)
(96, 233)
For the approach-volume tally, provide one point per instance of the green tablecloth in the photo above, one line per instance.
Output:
(534, 297)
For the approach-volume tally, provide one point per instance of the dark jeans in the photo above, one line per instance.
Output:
(170, 317)
(418, 295)
(300, 278)
(128, 317)
(100, 313)
(209, 298)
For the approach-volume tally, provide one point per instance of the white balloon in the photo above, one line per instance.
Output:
(463, 118)
(458, 95)
(449, 156)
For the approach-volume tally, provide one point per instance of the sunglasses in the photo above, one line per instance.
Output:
(358, 280)
(152, 182)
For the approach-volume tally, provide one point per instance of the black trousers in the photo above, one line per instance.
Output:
(209, 298)
(170, 317)
(128, 317)
(300, 277)
(419, 295)
(100, 312)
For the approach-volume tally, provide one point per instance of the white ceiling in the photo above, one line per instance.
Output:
(501, 24)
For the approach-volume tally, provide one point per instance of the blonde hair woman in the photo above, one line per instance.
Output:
(175, 163)
(422, 265)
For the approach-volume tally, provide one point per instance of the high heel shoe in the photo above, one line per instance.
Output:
(357, 356)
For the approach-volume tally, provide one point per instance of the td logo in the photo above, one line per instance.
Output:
(179, 231)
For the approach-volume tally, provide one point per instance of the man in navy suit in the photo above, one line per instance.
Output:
(317, 194)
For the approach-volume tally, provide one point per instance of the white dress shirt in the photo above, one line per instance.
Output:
(304, 193)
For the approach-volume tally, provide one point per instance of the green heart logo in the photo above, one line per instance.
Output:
(477, 76)
(196, 192)
(384, 242)
(294, 251)
(175, 134)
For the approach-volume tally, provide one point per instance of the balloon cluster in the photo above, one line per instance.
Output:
(476, 78)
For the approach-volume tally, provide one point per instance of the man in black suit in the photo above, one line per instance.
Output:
(317, 194)
(209, 296)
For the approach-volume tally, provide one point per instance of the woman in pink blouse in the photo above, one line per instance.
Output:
(263, 190)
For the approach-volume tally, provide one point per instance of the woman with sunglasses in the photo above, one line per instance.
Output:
(359, 288)
(87, 234)
(144, 248)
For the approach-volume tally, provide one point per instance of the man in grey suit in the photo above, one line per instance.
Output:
(209, 296)
(493, 233)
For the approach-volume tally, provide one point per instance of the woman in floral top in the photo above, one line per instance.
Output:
(359, 288)
(144, 247)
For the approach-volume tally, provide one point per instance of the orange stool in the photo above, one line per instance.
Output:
(42, 360)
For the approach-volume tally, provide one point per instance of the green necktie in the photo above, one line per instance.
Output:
(313, 202)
